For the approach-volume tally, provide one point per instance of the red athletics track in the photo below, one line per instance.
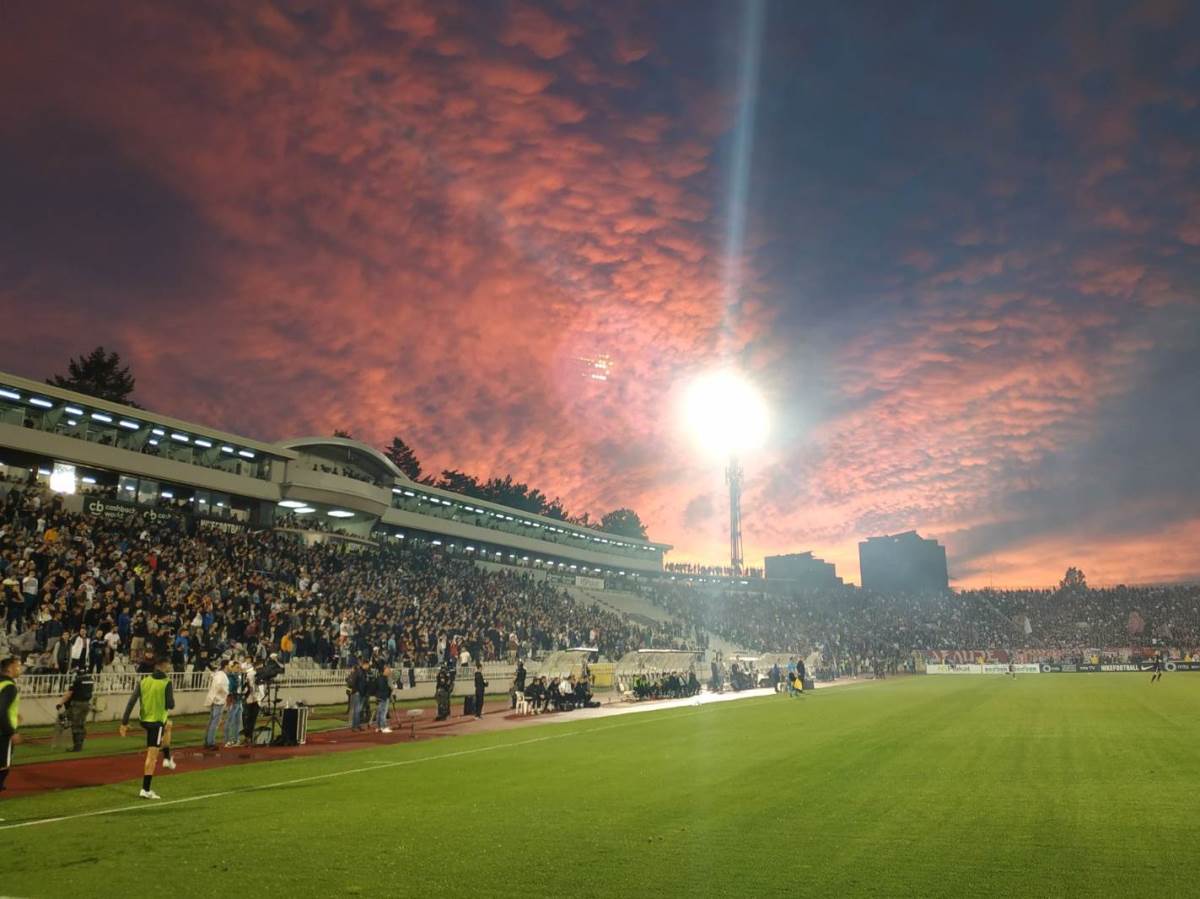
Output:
(69, 773)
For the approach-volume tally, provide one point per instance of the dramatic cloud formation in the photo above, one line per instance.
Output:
(971, 263)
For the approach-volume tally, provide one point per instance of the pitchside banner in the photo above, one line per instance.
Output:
(1068, 668)
(1061, 668)
(990, 668)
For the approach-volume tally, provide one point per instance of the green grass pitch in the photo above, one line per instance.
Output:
(1065, 785)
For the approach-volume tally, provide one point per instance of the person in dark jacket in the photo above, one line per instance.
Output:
(383, 696)
(78, 702)
(357, 684)
(442, 691)
(518, 683)
(480, 686)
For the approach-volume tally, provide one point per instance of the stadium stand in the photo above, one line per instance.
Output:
(109, 591)
(862, 629)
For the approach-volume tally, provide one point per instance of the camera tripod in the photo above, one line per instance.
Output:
(269, 714)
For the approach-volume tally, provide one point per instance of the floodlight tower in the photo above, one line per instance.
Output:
(728, 418)
(733, 477)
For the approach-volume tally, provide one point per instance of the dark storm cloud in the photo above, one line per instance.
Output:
(91, 225)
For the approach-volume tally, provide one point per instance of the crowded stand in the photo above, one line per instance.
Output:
(860, 627)
(80, 590)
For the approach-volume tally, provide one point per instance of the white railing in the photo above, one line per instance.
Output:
(114, 682)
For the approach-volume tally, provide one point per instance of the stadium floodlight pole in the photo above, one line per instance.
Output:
(728, 418)
(733, 477)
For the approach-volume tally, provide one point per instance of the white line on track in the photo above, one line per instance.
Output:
(372, 766)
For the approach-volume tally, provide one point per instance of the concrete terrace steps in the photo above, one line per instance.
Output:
(642, 611)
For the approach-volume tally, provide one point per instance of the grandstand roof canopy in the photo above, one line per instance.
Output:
(37, 388)
(334, 449)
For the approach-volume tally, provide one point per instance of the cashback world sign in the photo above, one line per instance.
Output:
(118, 510)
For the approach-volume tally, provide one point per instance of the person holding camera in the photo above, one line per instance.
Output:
(78, 702)
(250, 699)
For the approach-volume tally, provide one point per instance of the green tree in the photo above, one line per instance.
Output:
(338, 432)
(460, 482)
(98, 374)
(554, 509)
(624, 523)
(404, 458)
(1074, 579)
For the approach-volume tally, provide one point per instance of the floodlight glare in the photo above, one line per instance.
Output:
(726, 413)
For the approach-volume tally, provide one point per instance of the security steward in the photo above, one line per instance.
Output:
(10, 713)
(480, 686)
(442, 689)
(78, 702)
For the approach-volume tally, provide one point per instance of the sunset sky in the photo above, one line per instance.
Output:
(968, 283)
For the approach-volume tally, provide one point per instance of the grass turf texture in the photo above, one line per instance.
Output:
(1047, 785)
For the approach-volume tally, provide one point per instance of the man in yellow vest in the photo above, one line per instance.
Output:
(157, 699)
(10, 713)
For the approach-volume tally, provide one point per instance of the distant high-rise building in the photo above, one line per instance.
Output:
(903, 563)
(803, 569)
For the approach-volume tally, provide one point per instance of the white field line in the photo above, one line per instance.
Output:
(373, 766)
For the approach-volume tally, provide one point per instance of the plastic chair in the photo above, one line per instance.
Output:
(522, 704)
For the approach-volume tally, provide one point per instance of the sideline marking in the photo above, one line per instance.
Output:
(372, 766)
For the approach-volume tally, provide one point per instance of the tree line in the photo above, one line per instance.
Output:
(505, 491)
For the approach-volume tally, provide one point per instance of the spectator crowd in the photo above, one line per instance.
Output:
(883, 629)
(79, 589)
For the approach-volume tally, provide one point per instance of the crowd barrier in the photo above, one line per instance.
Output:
(313, 686)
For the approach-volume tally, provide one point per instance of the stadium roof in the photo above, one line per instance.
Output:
(38, 389)
(364, 454)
